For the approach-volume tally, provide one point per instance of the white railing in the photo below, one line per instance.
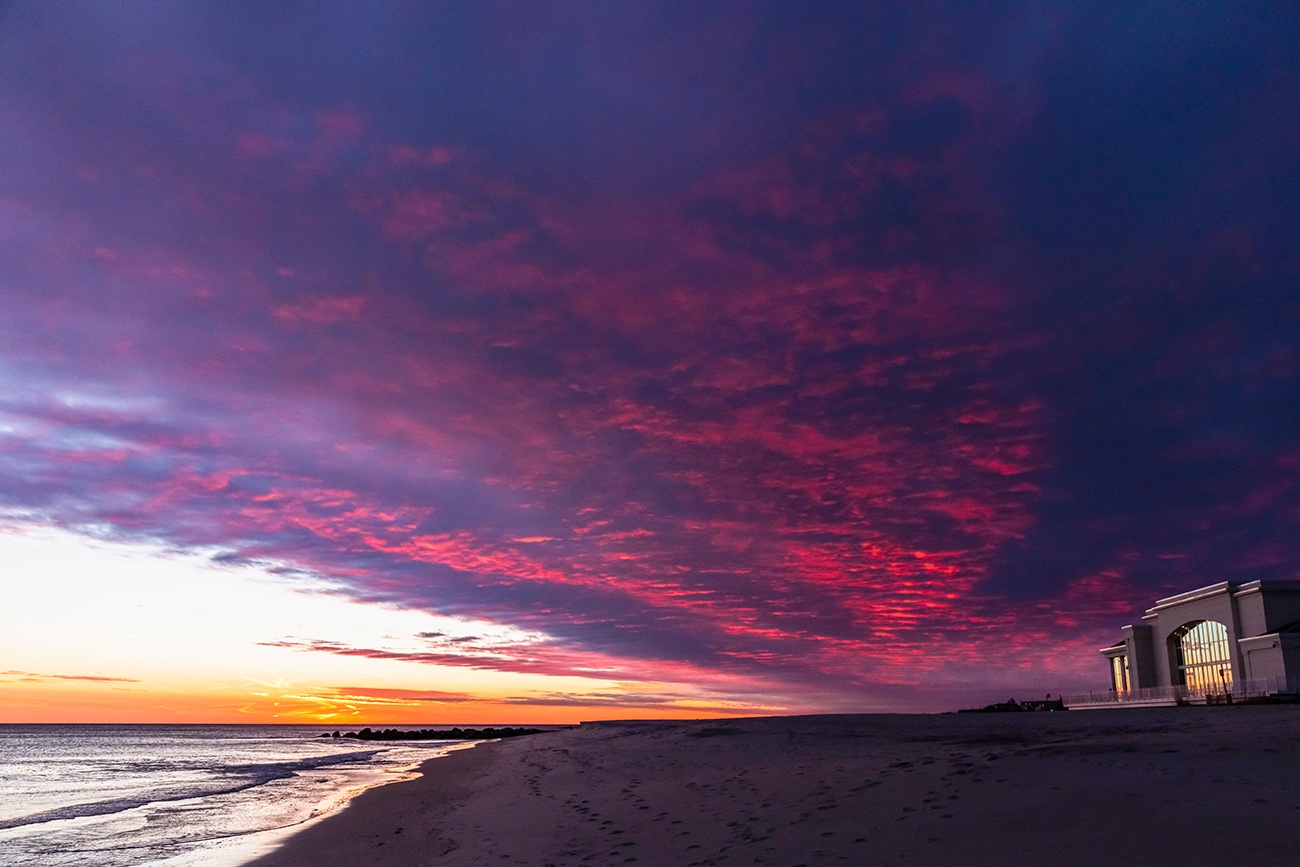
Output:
(1263, 686)
(1147, 695)
(1174, 695)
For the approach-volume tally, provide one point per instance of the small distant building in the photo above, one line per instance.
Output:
(1218, 644)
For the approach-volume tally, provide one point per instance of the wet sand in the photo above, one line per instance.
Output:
(1210, 786)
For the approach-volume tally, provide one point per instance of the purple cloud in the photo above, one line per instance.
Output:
(744, 342)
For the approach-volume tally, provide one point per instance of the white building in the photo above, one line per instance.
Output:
(1222, 643)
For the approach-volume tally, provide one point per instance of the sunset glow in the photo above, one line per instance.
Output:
(509, 363)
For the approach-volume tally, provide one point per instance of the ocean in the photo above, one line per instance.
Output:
(178, 795)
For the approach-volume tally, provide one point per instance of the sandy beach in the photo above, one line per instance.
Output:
(1211, 786)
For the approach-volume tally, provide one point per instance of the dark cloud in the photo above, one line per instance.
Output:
(762, 343)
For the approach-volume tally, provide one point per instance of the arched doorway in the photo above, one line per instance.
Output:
(1201, 657)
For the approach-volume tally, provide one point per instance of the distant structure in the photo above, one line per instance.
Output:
(1012, 706)
(1219, 644)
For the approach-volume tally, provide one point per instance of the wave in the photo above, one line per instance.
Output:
(232, 778)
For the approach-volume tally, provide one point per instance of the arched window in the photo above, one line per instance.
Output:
(1202, 656)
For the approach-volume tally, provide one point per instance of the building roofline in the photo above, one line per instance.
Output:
(1191, 596)
(1272, 585)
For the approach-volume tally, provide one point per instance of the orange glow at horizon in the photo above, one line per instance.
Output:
(107, 632)
(61, 703)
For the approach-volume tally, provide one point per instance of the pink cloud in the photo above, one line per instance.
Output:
(329, 310)
(771, 405)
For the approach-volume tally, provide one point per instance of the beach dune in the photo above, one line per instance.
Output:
(1170, 786)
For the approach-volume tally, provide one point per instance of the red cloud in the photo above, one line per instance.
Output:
(329, 310)
(767, 401)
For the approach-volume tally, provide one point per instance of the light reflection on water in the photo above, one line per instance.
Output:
(122, 796)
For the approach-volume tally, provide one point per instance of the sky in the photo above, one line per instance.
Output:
(537, 362)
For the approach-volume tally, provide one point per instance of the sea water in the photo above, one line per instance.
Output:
(180, 796)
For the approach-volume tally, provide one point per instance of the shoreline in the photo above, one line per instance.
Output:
(363, 827)
(237, 850)
(178, 796)
(969, 789)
